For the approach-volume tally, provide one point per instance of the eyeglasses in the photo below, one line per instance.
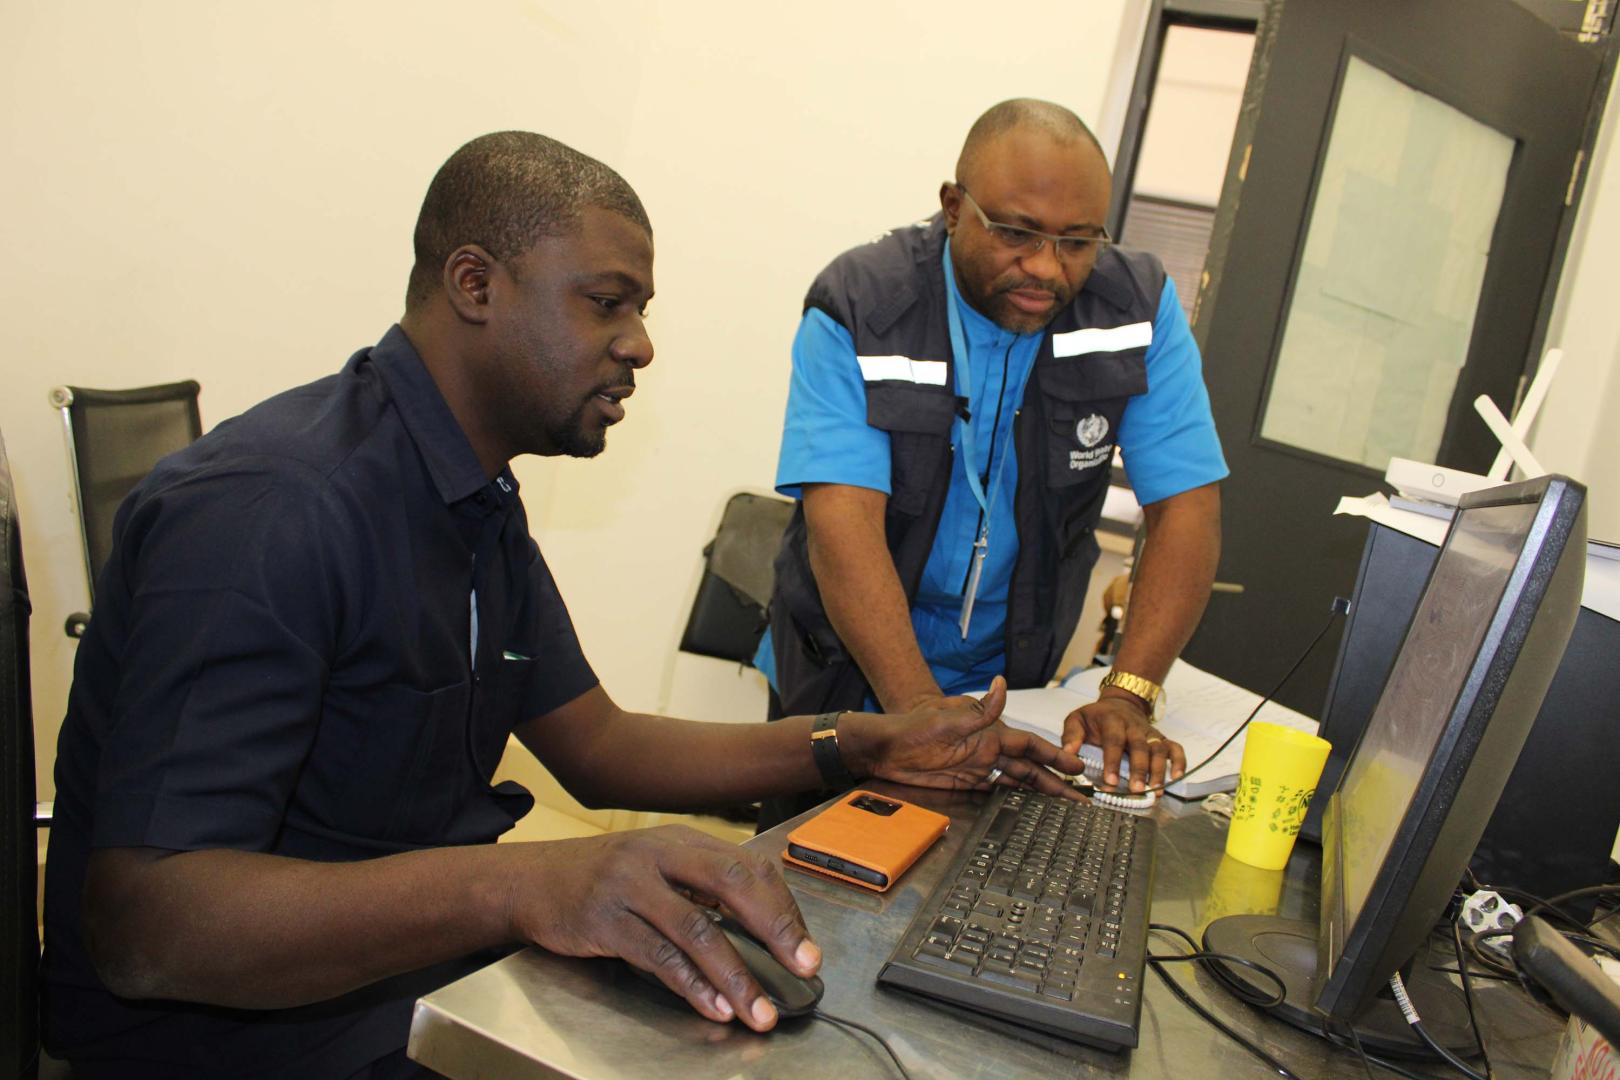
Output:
(1029, 241)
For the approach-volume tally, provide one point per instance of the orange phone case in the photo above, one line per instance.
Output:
(865, 839)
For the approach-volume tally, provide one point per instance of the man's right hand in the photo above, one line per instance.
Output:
(641, 895)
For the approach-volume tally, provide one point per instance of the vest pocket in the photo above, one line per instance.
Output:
(1086, 397)
(918, 419)
(1094, 376)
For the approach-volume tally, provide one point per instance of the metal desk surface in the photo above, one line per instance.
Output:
(535, 1014)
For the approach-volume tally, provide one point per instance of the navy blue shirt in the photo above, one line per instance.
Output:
(317, 628)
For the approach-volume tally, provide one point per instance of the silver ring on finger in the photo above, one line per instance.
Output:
(993, 775)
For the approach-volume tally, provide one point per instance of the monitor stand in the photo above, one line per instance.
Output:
(1288, 947)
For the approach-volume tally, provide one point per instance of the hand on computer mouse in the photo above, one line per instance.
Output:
(791, 993)
(1121, 727)
(639, 895)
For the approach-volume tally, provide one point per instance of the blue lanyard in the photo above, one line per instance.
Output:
(964, 429)
(964, 435)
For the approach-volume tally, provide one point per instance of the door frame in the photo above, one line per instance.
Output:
(1239, 15)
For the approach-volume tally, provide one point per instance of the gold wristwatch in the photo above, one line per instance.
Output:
(1146, 689)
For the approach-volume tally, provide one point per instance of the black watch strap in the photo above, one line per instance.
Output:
(824, 748)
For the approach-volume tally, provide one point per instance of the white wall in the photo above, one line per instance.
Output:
(226, 192)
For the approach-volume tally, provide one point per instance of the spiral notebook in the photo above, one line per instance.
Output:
(1201, 710)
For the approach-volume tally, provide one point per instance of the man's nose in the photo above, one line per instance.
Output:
(635, 349)
(1043, 263)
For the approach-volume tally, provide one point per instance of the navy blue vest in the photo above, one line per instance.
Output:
(890, 295)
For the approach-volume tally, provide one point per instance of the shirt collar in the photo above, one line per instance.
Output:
(445, 451)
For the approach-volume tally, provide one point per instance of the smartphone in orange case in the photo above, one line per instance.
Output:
(865, 839)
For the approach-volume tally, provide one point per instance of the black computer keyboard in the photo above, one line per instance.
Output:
(1041, 920)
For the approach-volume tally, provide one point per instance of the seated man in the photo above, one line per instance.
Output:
(318, 627)
(959, 386)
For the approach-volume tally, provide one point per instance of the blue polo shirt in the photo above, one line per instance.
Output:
(317, 628)
(1166, 436)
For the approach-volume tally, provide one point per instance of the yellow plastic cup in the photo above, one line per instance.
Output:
(1275, 785)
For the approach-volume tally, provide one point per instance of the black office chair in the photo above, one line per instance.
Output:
(728, 615)
(19, 866)
(114, 437)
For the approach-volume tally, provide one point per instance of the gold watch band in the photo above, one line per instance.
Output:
(1146, 689)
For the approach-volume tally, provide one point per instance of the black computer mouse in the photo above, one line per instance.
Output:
(793, 995)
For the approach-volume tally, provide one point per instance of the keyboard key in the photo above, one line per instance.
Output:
(1062, 993)
(1008, 978)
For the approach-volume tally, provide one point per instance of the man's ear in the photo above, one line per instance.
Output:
(950, 201)
(466, 282)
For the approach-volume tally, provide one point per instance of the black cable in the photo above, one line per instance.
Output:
(1451, 1059)
(1605, 917)
(1468, 999)
(1320, 634)
(1199, 955)
(1157, 964)
(1175, 988)
(1366, 1065)
(839, 1021)
(1355, 1039)
(1573, 894)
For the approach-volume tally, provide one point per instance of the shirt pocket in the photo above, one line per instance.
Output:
(918, 418)
(409, 760)
(1085, 400)
(503, 694)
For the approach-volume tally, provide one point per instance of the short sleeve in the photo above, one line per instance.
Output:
(233, 608)
(1167, 436)
(825, 436)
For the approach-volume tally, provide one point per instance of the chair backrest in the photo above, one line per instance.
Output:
(19, 859)
(728, 615)
(114, 438)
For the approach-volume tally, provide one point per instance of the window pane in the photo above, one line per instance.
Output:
(1383, 308)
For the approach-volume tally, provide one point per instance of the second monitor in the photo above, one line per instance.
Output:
(1464, 690)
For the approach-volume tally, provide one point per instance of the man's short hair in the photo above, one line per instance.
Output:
(505, 191)
(1056, 121)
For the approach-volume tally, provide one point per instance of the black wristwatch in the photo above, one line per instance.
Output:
(824, 748)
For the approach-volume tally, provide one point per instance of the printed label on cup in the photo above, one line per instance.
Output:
(1275, 785)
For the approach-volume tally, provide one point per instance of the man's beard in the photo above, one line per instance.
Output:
(1005, 315)
(573, 438)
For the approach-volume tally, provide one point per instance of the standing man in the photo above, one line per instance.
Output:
(317, 629)
(959, 386)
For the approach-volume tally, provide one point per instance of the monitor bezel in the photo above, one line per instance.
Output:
(1485, 728)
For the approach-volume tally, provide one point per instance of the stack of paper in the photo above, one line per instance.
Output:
(1201, 710)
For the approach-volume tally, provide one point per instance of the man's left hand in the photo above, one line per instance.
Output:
(958, 743)
(1121, 727)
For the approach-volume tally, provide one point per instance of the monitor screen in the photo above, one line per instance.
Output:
(1428, 674)
(1465, 688)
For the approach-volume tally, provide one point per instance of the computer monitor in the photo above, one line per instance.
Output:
(1465, 688)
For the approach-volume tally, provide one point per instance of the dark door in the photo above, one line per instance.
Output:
(1388, 234)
